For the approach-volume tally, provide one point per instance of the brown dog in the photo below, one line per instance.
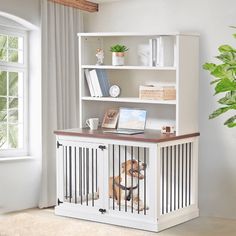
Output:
(131, 171)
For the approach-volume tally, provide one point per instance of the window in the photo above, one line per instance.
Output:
(13, 93)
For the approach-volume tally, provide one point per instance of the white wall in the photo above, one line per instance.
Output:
(20, 180)
(26, 9)
(217, 157)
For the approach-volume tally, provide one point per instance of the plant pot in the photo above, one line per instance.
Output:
(118, 58)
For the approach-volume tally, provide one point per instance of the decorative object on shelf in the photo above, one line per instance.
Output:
(143, 54)
(161, 92)
(92, 123)
(100, 56)
(167, 129)
(118, 54)
(225, 82)
(114, 91)
(110, 119)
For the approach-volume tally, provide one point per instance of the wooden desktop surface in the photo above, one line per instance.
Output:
(153, 136)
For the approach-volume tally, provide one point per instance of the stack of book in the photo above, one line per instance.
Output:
(98, 83)
(162, 51)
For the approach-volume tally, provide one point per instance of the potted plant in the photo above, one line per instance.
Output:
(225, 82)
(118, 54)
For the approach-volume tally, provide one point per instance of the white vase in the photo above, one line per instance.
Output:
(118, 58)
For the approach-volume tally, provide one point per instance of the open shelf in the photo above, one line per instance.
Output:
(178, 52)
(110, 67)
(129, 100)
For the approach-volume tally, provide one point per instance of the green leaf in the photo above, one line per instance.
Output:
(234, 35)
(209, 66)
(229, 99)
(225, 85)
(228, 58)
(215, 81)
(231, 125)
(221, 111)
(222, 72)
(226, 48)
(230, 121)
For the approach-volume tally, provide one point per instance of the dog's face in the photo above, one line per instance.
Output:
(134, 168)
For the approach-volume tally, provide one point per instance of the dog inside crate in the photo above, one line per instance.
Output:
(128, 178)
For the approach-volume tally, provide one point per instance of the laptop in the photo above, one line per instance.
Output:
(131, 121)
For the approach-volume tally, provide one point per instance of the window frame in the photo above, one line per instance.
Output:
(17, 67)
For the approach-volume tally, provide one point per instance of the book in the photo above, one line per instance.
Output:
(103, 81)
(167, 51)
(157, 51)
(89, 83)
(150, 52)
(95, 83)
(154, 52)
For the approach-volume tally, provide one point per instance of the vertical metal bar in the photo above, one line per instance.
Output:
(75, 177)
(125, 179)
(138, 179)
(163, 179)
(132, 180)
(87, 175)
(186, 174)
(66, 174)
(92, 177)
(190, 172)
(113, 175)
(182, 188)
(70, 173)
(145, 164)
(84, 171)
(178, 176)
(167, 192)
(119, 181)
(171, 173)
(80, 175)
(174, 177)
(96, 170)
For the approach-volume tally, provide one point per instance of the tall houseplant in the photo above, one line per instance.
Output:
(225, 82)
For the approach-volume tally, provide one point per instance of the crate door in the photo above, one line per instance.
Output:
(80, 174)
(129, 169)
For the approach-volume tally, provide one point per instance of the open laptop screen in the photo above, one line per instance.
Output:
(132, 119)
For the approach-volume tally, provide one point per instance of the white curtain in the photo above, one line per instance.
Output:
(60, 102)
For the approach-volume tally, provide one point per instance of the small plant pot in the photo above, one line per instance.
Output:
(118, 58)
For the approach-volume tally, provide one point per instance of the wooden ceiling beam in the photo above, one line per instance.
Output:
(80, 4)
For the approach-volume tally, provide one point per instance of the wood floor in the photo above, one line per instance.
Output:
(35, 222)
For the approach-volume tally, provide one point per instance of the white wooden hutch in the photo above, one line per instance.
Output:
(87, 159)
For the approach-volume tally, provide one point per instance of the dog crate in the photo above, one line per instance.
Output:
(144, 185)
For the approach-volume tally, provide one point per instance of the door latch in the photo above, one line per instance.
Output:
(102, 147)
(58, 144)
(102, 210)
(59, 202)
